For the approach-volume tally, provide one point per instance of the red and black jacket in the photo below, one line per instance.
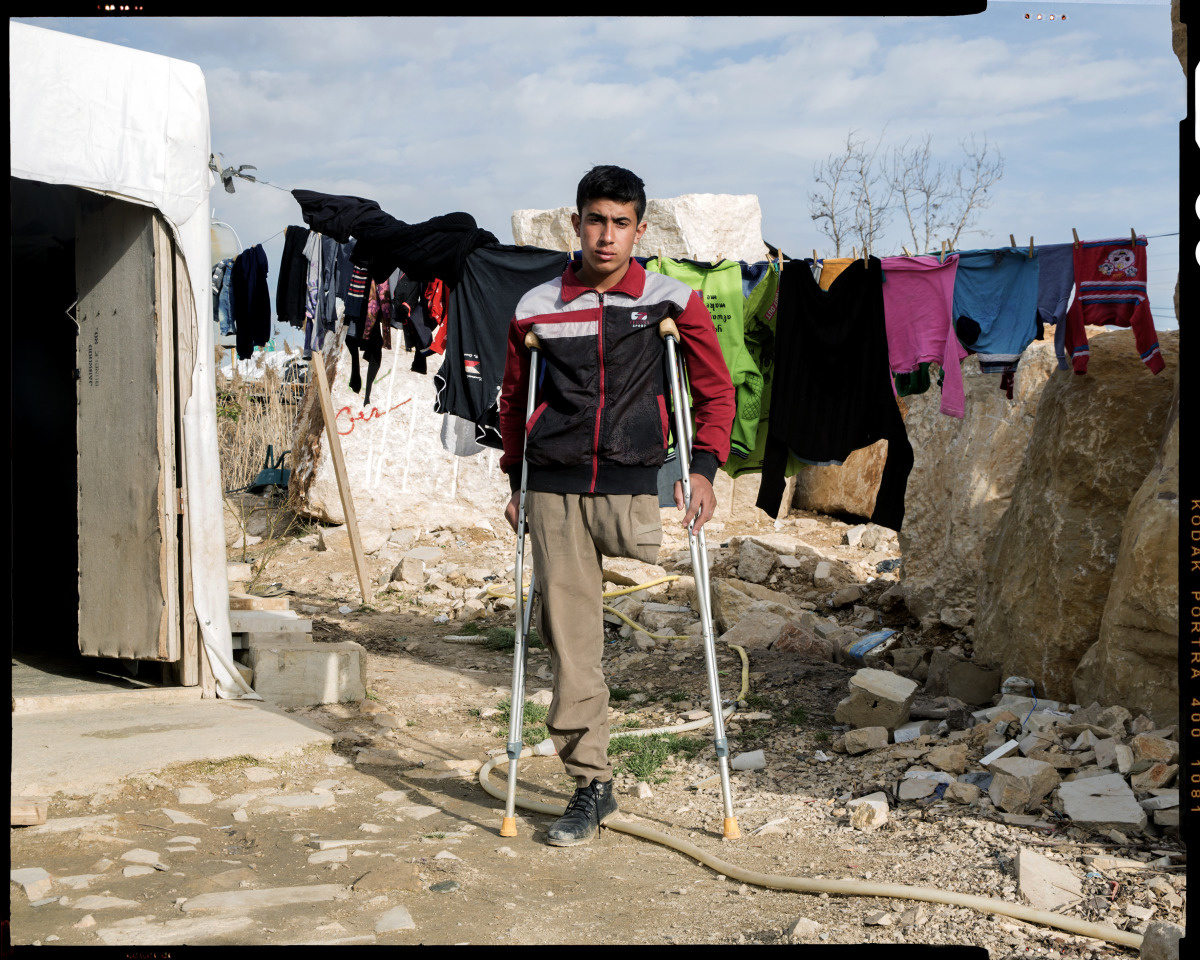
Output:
(601, 420)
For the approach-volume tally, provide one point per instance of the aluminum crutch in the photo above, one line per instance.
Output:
(516, 703)
(683, 442)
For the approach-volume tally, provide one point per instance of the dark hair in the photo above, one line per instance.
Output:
(608, 182)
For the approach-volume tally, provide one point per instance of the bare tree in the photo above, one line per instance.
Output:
(939, 203)
(831, 206)
(857, 193)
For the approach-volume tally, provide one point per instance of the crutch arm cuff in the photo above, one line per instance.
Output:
(705, 464)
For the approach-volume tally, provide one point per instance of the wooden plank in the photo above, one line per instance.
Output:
(247, 601)
(123, 608)
(27, 811)
(339, 469)
(164, 332)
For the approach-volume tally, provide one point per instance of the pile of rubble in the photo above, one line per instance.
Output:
(1092, 768)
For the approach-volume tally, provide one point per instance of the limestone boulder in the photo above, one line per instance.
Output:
(1049, 568)
(962, 480)
(700, 226)
(1134, 660)
(397, 467)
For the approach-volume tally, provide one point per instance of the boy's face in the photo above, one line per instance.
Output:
(607, 231)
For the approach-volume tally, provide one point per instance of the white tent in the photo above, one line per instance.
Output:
(134, 126)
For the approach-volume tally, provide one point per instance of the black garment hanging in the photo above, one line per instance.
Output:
(433, 250)
(479, 309)
(836, 396)
(251, 301)
(292, 287)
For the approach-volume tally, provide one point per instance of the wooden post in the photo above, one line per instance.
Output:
(339, 469)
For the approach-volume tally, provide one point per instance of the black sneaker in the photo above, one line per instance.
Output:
(590, 806)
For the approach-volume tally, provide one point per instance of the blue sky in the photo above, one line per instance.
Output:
(429, 115)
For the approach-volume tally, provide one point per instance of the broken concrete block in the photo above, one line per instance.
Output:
(913, 729)
(1155, 749)
(846, 596)
(952, 759)
(794, 638)
(868, 813)
(756, 630)
(398, 918)
(866, 738)
(961, 792)
(916, 789)
(1157, 776)
(1102, 803)
(294, 675)
(1044, 883)
(1161, 941)
(36, 881)
(877, 699)
(1114, 755)
(1019, 784)
(1114, 718)
(756, 562)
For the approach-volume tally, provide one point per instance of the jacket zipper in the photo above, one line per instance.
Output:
(600, 408)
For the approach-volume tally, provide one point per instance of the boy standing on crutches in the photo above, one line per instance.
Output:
(592, 449)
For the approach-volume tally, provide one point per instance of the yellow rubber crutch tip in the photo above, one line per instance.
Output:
(508, 828)
(731, 828)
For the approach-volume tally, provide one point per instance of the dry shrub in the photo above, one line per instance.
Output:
(250, 416)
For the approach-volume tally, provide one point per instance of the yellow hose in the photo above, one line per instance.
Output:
(860, 888)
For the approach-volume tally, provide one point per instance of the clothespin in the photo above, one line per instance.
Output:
(1031, 248)
(814, 256)
(1133, 236)
(1012, 241)
(942, 255)
(854, 253)
(866, 262)
(905, 249)
(1075, 234)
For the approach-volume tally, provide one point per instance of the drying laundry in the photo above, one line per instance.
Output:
(995, 305)
(291, 287)
(918, 293)
(721, 287)
(479, 308)
(251, 301)
(1110, 289)
(832, 268)
(1056, 279)
(837, 396)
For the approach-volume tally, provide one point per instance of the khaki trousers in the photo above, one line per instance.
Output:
(570, 533)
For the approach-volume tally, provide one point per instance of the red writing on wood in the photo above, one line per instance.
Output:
(363, 416)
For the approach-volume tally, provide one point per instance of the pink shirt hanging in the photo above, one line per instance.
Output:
(918, 293)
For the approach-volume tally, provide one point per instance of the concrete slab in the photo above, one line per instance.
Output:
(50, 683)
(96, 741)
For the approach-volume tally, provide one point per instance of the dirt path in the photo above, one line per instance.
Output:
(393, 836)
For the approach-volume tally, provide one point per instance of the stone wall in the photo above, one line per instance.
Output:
(1135, 661)
(962, 480)
(1049, 568)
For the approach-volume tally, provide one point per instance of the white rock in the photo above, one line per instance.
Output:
(137, 870)
(336, 855)
(445, 855)
(643, 791)
(194, 795)
(103, 903)
(398, 918)
(259, 774)
(803, 927)
(36, 881)
(753, 760)
(141, 856)
(298, 801)
(178, 817)
(241, 901)
(392, 796)
(1044, 883)
(370, 828)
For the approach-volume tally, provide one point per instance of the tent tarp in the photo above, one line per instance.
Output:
(134, 125)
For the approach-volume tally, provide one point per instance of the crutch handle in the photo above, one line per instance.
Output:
(667, 328)
(532, 341)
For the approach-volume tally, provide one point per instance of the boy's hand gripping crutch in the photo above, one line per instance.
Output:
(516, 703)
(683, 443)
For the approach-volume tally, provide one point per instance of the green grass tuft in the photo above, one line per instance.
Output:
(644, 757)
